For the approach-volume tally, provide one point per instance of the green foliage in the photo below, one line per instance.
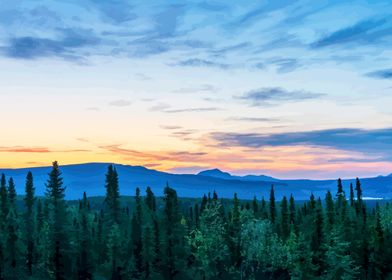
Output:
(170, 238)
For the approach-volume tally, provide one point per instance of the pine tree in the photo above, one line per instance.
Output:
(29, 201)
(340, 196)
(272, 214)
(358, 190)
(13, 248)
(84, 258)
(3, 199)
(351, 195)
(150, 199)
(137, 244)
(255, 207)
(284, 219)
(174, 238)
(55, 194)
(234, 233)
(330, 210)
(112, 194)
(11, 193)
(292, 210)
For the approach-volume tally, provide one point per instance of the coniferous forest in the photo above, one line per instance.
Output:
(337, 236)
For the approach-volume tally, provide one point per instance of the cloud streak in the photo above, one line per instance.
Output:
(381, 74)
(275, 95)
(361, 140)
(367, 31)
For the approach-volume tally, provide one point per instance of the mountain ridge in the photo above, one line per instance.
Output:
(90, 177)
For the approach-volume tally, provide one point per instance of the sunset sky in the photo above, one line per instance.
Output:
(291, 89)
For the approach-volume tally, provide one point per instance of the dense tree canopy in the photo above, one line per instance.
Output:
(148, 237)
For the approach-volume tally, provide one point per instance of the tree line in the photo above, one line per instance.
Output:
(334, 237)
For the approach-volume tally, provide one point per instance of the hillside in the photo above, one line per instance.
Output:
(90, 177)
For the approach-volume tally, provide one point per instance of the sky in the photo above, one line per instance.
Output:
(291, 89)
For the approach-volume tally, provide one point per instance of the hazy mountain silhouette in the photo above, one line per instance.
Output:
(90, 177)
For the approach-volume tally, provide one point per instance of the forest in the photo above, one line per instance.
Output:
(339, 236)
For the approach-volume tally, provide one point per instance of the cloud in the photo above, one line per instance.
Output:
(30, 47)
(381, 74)
(142, 77)
(165, 108)
(22, 149)
(273, 95)
(285, 65)
(352, 139)
(117, 12)
(252, 119)
(120, 103)
(201, 109)
(367, 31)
(201, 88)
(197, 62)
(96, 109)
(171, 127)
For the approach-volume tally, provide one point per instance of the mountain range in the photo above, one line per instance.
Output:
(90, 177)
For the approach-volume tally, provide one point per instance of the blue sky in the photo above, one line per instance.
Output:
(287, 88)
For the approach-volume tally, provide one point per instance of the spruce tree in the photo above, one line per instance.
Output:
(84, 258)
(284, 219)
(112, 194)
(330, 210)
(358, 190)
(174, 236)
(55, 194)
(340, 195)
(292, 210)
(137, 244)
(351, 195)
(29, 201)
(255, 207)
(150, 200)
(11, 193)
(3, 200)
(272, 212)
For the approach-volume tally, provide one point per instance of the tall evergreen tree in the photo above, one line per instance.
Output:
(255, 207)
(55, 194)
(284, 219)
(174, 238)
(84, 258)
(351, 195)
(137, 244)
(150, 199)
(330, 210)
(112, 194)
(272, 212)
(29, 201)
(292, 210)
(11, 193)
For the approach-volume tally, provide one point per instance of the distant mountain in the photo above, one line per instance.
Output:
(216, 173)
(90, 177)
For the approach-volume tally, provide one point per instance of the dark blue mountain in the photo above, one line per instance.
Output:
(90, 177)
(216, 173)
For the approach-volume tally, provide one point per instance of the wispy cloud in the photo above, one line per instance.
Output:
(361, 140)
(199, 109)
(197, 62)
(381, 74)
(274, 95)
(22, 149)
(252, 119)
(196, 89)
(19, 149)
(120, 103)
(367, 31)
(66, 46)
